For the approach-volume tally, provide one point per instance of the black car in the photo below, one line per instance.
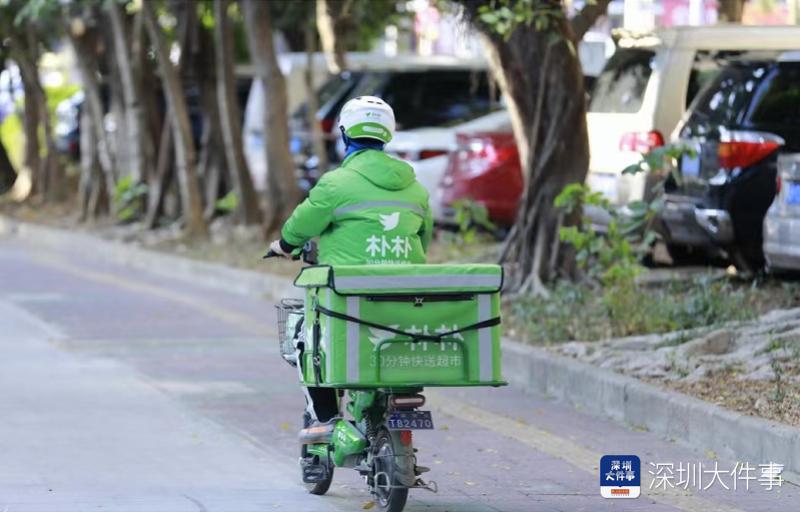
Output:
(738, 125)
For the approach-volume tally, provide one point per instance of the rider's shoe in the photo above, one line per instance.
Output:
(317, 432)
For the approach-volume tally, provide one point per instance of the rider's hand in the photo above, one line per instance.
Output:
(277, 248)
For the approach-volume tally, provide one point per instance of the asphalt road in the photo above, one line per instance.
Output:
(123, 391)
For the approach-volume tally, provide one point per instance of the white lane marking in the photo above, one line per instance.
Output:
(206, 387)
(35, 297)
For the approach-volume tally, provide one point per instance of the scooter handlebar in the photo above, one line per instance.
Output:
(273, 254)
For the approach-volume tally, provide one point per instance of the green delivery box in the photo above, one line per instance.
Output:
(371, 326)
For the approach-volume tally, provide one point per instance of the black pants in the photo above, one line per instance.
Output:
(326, 403)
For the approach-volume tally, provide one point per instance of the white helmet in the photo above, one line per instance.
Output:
(367, 117)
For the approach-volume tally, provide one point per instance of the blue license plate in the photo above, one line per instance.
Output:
(410, 420)
(295, 145)
(792, 193)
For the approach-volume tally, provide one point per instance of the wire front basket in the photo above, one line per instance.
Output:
(286, 329)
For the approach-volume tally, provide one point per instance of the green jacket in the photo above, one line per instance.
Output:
(371, 210)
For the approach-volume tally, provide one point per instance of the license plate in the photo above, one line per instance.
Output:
(792, 193)
(690, 165)
(606, 184)
(410, 420)
(295, 145)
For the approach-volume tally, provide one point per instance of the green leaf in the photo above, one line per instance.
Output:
(633, 169)
(228, 203)
(489, 18)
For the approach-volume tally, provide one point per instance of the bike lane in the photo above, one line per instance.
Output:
(214, 354)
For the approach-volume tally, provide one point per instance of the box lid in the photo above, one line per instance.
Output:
(403, 279)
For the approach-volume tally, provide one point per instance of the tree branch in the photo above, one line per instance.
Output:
(583, 21)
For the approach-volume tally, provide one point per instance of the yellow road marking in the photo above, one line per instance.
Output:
(565, 449)
(226, 315)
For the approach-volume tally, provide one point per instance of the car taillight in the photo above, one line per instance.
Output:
(476, 153)
(641, 142)
(739, 148)
(431, 153)
(327, 125)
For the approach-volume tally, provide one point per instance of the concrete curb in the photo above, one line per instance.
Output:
(672, 415)
(597, 391)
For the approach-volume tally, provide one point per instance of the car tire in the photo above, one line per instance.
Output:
(685, 255)
(748, 257)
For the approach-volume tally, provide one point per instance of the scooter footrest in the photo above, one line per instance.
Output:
(314, 473)
(317, 434)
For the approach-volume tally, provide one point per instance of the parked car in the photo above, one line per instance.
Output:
(739, 125)
(430, 100)
(645, 88)
(782, 224)
(484, 168)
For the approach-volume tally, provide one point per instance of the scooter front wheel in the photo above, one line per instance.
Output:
(393, 470)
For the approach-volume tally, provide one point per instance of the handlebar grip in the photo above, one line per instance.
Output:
(273, 254)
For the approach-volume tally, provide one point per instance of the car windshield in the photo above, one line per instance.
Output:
(721, 103)
(329, 90)
(621, 85)
(777, 100)
(433, 98)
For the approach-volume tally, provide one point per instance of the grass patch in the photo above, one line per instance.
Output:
(584, 313)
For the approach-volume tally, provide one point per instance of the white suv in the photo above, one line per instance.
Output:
(644, 90)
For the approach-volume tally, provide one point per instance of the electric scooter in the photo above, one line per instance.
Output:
(376, 437)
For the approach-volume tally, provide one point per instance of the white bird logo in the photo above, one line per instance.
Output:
(389, 221)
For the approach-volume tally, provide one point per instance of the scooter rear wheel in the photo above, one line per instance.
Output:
(393, 471)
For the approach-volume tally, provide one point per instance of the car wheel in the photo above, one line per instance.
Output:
(685, 254)
(748, 257)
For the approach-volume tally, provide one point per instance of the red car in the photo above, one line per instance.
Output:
(485, 168)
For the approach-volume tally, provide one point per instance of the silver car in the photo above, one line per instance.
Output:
(782, 223)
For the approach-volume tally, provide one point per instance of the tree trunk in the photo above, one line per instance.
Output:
(26, 62)
(90, 181)
(46, 176)
(332, 45)
(282, 190)
(84, 46)
(50, 172)
(314, 128)
(542, 81)
(161, 176)
(7, 173)
(185, 152)
(230, 118)
(586, 17)
(730, 11)
(141, 154)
